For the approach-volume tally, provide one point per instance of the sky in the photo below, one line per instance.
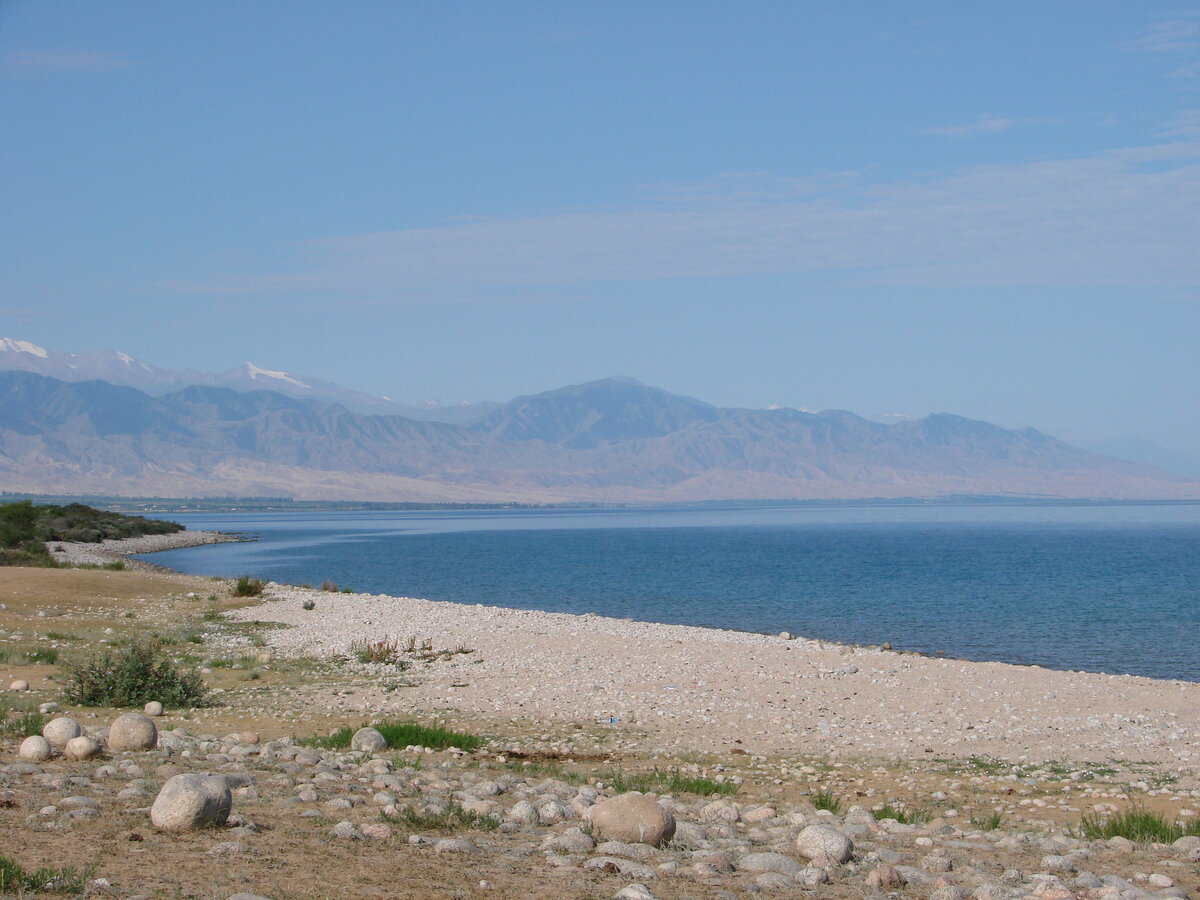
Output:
(893, 208)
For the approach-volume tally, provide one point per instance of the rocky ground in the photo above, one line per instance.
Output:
(928, 815)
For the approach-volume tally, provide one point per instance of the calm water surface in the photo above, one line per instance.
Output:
(1101, 588)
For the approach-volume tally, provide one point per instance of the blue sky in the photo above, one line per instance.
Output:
(988, 209)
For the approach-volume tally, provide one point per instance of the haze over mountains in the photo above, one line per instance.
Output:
(104, 423)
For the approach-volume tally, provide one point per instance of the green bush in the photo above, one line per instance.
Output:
(134, 675)
(826, 800)
(248, 587)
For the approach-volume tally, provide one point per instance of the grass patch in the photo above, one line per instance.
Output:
(134, 675)
(18, 718)
(1138, 825)
(827, 801)
(248, 587)
(63, 636)
(671, 781)
(453, 819)
(915, 816)
(16, 879)
(44, 656)
(385, 651)
(987, 823)
(400, 735)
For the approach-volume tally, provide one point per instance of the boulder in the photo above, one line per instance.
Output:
(59, 731)
(824, 845)
(132, 731)
(81, 748)
(35, 748)
(632, 818)
(190, 801)
(368, 740)
(153, 708)
(19, 685)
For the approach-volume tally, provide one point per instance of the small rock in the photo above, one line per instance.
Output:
(59, 731)
(454, 845)
(153, 708)
(378, 831)
(635, 891)
(132, 731)
(824, 845)
(81, 748)
(346, 831)
(35, 748)
(632, 818)
(189, 801)
(770, 862)
(368, 740)
(19, 685)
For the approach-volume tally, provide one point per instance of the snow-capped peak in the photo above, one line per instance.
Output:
(13, 346)
(255, 372)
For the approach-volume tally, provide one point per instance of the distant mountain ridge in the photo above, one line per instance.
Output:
(609, 440)
(119, 368)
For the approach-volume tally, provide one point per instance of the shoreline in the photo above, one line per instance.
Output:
(691, 687)
(116, 550)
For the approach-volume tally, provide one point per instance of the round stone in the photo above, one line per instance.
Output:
(153, 708)
(132, 731)
(632, 818)
(81, 748)
(824, 845)
(59, 731)
(368, 740)
(35, 748)
(190, 801)
(19, 685)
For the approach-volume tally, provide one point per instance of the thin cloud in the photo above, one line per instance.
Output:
(1170, 35)
(1122, 217)
(982, 125)
(47, 61)
(1185, 124)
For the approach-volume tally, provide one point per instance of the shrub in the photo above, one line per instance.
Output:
(1138, 825)
(826, 800)
(309, 605)
(670, 782)
(249, 587)
(133, 676)
(916, 816)
(987, 823)
(329, 586)
(454, 818)
(400, 735)
(13, 878)
(18, 719)
(384, 650)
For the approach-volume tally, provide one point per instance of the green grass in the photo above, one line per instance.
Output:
(18, 718)
(453, 819)
(46, 656)
(827, 801)
(63, 636)
(400, 735)
(915, 816)
(1138, 825)
(669, 782)
(15, 879)
(212, 615)
(987, 823)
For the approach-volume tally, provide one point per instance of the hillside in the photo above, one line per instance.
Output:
(608, 440)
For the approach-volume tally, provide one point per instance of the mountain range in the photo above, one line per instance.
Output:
(614, 440)
(120, 368)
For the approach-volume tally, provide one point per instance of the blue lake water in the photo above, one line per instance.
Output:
(1100, 588)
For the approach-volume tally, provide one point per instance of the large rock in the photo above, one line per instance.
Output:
(132, 731)
(368, 740)
(81, 748)
(35, 748)
(153, 708)
(824, 845)
(632, 818)
(190, 801)
(59, 731)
